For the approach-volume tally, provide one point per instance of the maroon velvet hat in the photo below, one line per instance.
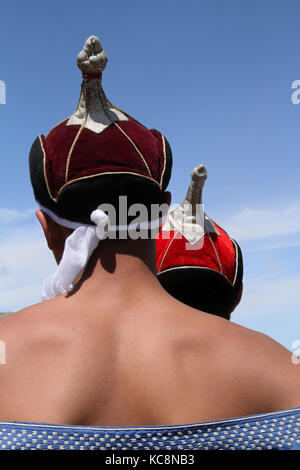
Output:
(202, 268)
(99, 153)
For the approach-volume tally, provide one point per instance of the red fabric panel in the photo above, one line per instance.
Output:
(178, 255)
(57, 146)
(226, 252)
(162, 246)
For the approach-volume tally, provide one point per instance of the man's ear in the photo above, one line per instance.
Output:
(55, 234)
(44, 221)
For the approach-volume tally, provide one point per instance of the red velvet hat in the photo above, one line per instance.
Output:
(99, 153)
(197, 262)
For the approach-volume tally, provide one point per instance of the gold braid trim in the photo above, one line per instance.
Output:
(44, 168)
(165, 160)
(100, 89)
(77, 135)
(106, 173)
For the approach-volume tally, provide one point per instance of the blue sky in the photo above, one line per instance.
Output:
(215, 77)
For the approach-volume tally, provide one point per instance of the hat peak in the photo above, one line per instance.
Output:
(92, 58)
(198, 177)
(94, 111)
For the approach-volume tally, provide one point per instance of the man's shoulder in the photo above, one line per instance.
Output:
(229, 339)
(13, 320)
(220, 332)
(231, 345)
(257, 365)
(33, 337)
(32, 315)
(25, 330)
(224, 368)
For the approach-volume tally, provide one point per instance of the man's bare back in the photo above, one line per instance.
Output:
(126, 353)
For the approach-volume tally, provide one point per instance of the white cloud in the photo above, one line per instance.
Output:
(269, 297)
(25, 262)
(12, 216)
(272, 307)
(253, 224)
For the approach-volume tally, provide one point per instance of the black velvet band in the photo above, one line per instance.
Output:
(200, 288)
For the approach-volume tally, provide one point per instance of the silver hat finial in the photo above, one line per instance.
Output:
(92, 58)
(94, 111)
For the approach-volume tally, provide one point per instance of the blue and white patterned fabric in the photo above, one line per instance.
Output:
(279, 430)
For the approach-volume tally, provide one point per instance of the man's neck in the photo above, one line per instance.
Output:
(119, 265)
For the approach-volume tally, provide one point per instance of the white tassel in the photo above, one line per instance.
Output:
(79, 247)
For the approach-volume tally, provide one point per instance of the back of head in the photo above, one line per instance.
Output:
(95, 158)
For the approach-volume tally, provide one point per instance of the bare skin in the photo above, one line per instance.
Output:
(120, 351)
